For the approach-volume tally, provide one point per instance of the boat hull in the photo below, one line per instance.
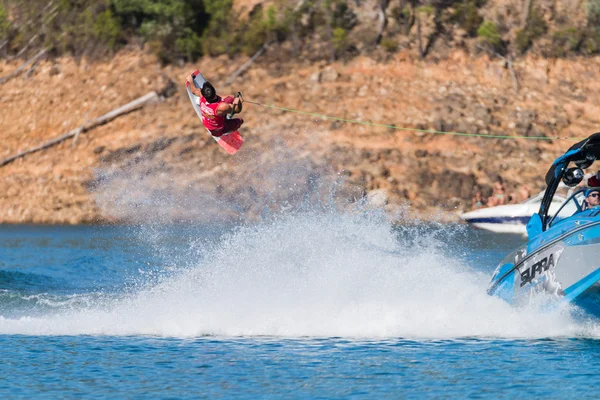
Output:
(562, 257)
(564, 263)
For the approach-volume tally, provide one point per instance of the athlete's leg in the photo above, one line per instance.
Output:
(232, 125)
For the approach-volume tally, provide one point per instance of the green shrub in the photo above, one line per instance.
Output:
(467, 16)
(390, 45)
(4, 24)
(536, 27)
(107, 28)
(189, 44)
(592, 8)
(219, 10)
(214, 46)
(523, 41)
(565, 41)
(89, 27)
(426, 9)
(218, 36)
(256, 30)
(263, 27)
(401, 14)
(271, 23)
(340, 40)
(489, 33)
(309, 17)
(85, 25)
(404, 17)
(342, 16)
(591, 42)
(167, 26)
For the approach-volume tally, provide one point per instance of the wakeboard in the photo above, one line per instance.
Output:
(232, 141)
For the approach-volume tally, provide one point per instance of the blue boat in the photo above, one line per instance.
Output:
(562, 256)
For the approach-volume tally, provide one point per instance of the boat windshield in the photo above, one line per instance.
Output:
(572, 206)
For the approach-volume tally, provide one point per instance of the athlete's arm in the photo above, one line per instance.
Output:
(223, 109)
(193, 87)
(237, 105)
(229, 105)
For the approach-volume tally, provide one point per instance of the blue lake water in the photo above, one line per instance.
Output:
(306, 305)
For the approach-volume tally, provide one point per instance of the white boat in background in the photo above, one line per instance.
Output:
(509, 218)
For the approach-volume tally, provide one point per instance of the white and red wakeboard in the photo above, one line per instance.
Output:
(232, 141)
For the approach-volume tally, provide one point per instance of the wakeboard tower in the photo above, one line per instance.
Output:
(231, 141)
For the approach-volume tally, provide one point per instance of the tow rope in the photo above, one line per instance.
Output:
(395, 127)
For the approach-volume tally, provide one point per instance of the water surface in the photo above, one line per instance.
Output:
(306, 305)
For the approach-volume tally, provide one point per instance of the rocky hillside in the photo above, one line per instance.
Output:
(159, 162)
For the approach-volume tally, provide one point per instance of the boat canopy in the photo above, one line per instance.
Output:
(583, 154)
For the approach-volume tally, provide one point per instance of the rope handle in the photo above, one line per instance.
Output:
(233, 111)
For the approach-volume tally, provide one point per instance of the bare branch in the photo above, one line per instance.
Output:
(127, 108)
(382, 6)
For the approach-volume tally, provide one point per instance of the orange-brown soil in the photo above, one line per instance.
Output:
(159, 162)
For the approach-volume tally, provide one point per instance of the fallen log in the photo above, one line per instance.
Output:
(30, 70)
(23, 66)
(127, 108)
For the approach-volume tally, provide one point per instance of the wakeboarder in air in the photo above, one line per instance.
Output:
(214, 108)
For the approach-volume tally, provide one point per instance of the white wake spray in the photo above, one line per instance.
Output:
(316, 274)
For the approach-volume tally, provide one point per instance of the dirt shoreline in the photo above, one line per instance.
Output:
(159, 164)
